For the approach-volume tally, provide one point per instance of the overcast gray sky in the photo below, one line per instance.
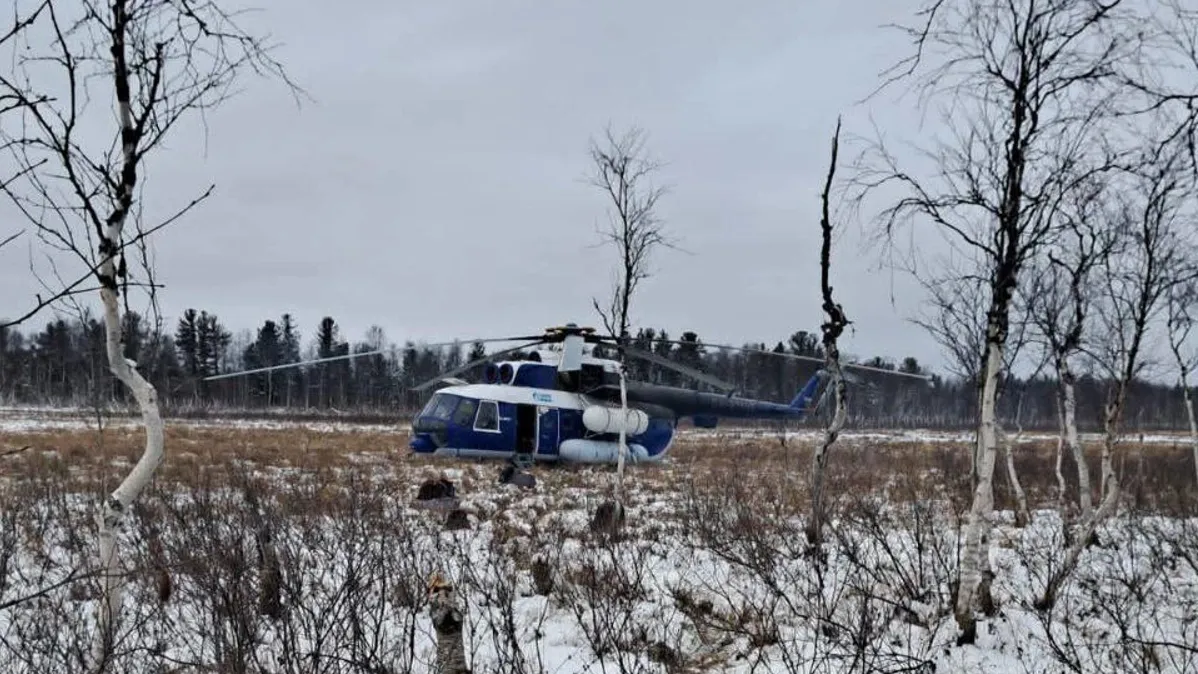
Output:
(434, 185)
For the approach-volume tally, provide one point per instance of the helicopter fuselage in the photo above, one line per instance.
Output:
(500, 421)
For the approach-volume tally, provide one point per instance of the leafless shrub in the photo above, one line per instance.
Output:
(1125, 608)
(604, 586)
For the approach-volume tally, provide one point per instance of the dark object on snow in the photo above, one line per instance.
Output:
(608, 519)
(435, 489)
(437, 494)
(542, 577)
(457, 519)
(661, 653)
(519, 478)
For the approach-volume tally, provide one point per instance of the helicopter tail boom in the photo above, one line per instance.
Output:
(802, 401)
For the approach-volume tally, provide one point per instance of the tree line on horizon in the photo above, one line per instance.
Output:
(63, 364)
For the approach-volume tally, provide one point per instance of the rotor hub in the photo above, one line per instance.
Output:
(562, 331)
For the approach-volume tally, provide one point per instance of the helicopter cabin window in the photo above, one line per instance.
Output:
(464, 414)
(488, 416)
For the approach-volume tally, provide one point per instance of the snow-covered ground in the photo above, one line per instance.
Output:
(15, 420)
(42, 419)
(320, 565)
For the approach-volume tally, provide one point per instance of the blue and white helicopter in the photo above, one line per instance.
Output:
(568, 405)
(565, 404)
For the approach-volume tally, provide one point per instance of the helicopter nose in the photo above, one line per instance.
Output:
(422, 443)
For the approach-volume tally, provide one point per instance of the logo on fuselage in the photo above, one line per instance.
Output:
(542, 397)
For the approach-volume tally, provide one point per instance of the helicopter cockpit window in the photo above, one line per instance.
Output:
(440, 406)
(488, 416)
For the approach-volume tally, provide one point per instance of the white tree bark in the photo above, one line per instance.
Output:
(1085, 498)
(1185, 394)
(1022, 513)
(977, 525)
(819, 459)
(623, 451)
(112, 512)
(1061, 486)
(1085, 531)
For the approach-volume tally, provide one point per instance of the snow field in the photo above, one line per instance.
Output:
(241, 562)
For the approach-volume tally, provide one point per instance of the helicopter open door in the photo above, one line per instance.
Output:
(547, 431)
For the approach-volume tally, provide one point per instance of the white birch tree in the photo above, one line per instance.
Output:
(1152, 210)
(954, 319)
(99, 89)
(1021, 89)
(1060, 296)
(1181, 303)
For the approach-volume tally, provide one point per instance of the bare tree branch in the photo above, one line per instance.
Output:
(73, 288)
(623, 171)
(4, 242)
(12, 452)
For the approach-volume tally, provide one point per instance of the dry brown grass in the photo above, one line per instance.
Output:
(1156, 475)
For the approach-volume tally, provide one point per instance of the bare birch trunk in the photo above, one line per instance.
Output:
(977, 543)
(1089, 525)
(1110, 482)
(623, 439)
(1022, 513)
(112, 512)
(1189, 402)
(1061, 486)
(819, 460)
(1085, 495)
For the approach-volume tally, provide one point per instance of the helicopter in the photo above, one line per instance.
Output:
(566, 404)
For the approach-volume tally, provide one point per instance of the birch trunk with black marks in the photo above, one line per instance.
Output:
(623, 450)
(832, 328)
(112, 511)
(977, 525)
(1031, 88)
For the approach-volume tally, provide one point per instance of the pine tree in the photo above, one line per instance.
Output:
(265, 351)
(187, 342)
(293, 378)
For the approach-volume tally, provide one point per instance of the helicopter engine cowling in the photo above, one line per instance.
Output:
(602, 419)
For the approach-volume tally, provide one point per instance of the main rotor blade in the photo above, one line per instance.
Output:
(678, 367)
(259, 370)
(474, 363)
(330, 359)
(795, 356)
